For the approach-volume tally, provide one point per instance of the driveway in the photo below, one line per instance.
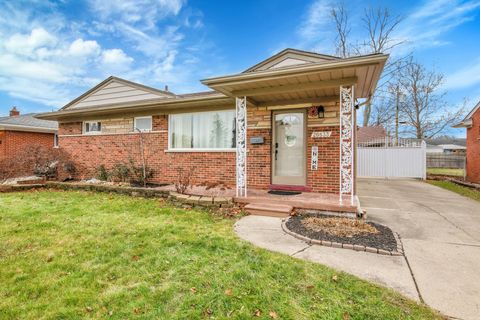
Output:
(440, 231)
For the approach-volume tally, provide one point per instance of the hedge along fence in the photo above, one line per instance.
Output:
(205, 202)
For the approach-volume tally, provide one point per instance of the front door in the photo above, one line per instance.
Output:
(289, 148)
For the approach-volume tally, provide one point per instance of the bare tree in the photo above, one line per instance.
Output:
(424, 108)
(342, 26)
(379, 25)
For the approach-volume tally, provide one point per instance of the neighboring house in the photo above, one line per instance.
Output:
(446, 149)
(453, 149)
(19, 132)
(371, 136)
(431, 148)
(285, 123)
(472, 123)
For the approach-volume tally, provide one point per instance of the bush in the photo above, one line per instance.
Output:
(120, 172)
(184, 181)
(136, 173)
(102, 173)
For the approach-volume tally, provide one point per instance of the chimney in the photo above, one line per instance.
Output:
(14, 112)
(166, 88)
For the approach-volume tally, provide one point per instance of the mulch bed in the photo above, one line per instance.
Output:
(383, 239)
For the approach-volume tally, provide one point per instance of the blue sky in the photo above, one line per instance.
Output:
(51, 52)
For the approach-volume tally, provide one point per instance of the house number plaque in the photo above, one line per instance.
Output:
(321, 134)
(314, 165)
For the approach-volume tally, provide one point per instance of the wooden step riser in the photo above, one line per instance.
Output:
(265, 213)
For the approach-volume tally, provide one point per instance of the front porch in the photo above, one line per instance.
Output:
(295, 127)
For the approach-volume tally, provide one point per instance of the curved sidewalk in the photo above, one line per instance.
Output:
(390, 271)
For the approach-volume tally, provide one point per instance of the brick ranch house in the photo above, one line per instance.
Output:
(285, 123)
(472, 123)
(19, 132)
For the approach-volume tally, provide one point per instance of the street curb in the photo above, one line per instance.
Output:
(356, 247)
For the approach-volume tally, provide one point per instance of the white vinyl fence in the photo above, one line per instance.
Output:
(387, 158)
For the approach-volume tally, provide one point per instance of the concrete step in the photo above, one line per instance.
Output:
(269, 209)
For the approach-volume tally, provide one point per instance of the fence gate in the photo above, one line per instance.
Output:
(388, 158)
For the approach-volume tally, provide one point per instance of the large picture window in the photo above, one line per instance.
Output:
(202, 130)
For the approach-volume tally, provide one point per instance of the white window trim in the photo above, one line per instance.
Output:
(84, 128)
(144, 130)
(170, 149)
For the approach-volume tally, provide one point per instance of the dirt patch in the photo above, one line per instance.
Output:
(337, 226)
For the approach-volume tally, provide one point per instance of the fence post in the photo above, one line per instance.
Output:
(424, 155)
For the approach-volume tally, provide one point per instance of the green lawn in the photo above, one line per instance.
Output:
(446, 171)
(464, 191)
(75, 255)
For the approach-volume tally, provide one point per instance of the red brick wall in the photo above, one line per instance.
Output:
(91, 151)
(473, 149)
(14, 142)
(327, 176)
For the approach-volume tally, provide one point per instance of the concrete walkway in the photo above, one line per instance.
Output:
(440, 232)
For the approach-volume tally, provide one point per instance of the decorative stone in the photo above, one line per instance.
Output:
(347, 246)
(371, 250)
(336, 245)
(357, 247)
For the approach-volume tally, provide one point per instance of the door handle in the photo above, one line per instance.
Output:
(276, 152)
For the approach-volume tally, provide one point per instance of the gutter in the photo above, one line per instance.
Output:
(15, 127)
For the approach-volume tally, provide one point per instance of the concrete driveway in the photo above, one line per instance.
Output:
(440, 231)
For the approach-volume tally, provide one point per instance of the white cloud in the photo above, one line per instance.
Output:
(49, 58)
(316, 31)
(25, 44)
(465, 77)
(427, 24)
(81, 47)
(144, 13)
(116, 59)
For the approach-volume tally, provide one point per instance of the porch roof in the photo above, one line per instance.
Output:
(314, 80)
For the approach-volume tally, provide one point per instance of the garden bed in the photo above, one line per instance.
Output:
(344, 232)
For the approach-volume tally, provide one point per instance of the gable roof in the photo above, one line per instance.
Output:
(27, 122)
(467, 122)
(289, 57)
(115, 89)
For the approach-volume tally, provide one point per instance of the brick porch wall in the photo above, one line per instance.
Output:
(473, 149)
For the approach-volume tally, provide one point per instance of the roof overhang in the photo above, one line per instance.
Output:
(157, 105)
(14, 127)
(306, 81)
(467, 123)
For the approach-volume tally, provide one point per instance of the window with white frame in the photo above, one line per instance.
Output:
(202, 130)
(143, 124)
(92, 127)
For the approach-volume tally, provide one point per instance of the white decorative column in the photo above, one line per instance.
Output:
(241, 144)
(347, 131)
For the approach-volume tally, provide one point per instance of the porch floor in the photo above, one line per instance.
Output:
(305, 200)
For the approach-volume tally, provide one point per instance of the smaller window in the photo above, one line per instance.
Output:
(92, 127)
(55, 140)
(144, 124)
